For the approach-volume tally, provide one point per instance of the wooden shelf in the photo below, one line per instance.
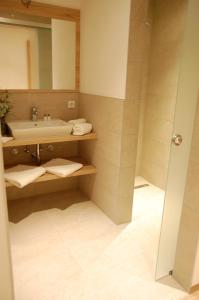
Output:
(49, 140)
(86, 170)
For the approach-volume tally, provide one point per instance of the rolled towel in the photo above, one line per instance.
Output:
(77, 121)
(6, 139)
(81, 129)
(61, 167)
(22, 175)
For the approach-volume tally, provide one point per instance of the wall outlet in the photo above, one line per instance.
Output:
(71, 104)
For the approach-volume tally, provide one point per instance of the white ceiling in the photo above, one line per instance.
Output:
(66, 3)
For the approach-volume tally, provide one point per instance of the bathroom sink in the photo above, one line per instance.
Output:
(40, 128)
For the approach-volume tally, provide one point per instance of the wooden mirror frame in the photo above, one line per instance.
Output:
(50, 11)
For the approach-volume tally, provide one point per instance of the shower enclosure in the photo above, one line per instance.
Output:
(167, 112)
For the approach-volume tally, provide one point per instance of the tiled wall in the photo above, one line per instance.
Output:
(116, 124)
(111, 188)
(166, 40)
(142, 19)
(189, 228)
(54, 103)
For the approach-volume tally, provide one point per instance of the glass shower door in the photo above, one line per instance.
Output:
(180, 143)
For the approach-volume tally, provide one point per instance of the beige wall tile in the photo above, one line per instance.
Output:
(63, 150)
(52, 103)
(195, 139)
(131, 114)
(118, 208)
(139, 38)
(172, 20)
(163, 78)
(108, 146)
(109, 153)
(154, 173)
(139, 10)
(156, 152)
(140, 133)
(128, 150)
(126, 182)
(123, 210)
(161, 92)
(139, 45)
(102, 197)
(158, 129)
(107, 176)
(103, 112)
(163, 109)
(134, 80)
(55, 104)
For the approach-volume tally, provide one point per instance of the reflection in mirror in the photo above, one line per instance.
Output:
(63, 54)
(37, 53)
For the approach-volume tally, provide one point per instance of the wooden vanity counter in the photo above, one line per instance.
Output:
(87, 168)
(49, 140)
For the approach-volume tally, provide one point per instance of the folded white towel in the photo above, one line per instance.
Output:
(81, 129)
(22, 175)
(6, 139)
(61, 167)
(77, 121)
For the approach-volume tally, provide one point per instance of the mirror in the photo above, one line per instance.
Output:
(37, 52)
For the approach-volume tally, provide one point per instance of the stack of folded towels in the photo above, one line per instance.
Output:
(6, 139)
(80, 127)
(22, 175)
(61, 167)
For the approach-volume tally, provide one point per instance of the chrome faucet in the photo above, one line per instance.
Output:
(34, 113)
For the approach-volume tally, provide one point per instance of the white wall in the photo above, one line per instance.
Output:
(63, 54)
(13, 57)
(104, 47)
(6, 286)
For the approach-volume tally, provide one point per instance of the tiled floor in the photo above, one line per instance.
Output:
(78, 253)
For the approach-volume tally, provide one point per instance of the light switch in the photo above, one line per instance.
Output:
(71, 104)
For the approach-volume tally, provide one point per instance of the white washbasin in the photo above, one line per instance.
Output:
(40, 128)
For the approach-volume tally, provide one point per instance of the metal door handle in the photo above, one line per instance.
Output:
(177, 139)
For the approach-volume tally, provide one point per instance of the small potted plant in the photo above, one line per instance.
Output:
(4, 110)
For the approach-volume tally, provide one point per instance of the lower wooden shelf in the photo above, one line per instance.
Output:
(86, 170)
